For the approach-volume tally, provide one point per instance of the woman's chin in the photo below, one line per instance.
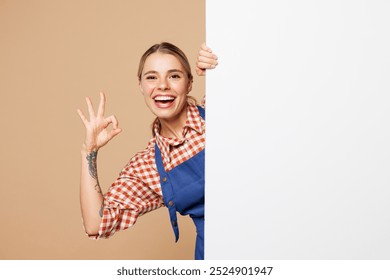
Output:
(171, 114)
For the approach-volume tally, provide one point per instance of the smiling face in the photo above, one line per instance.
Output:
(165, 84)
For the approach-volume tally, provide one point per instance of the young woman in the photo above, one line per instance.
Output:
(170, 171)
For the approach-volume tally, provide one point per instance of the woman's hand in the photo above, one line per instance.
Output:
(206, 60)
(97, 133)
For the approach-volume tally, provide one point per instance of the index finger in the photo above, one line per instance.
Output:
(205, 47)
(203, 53)
(102, 104)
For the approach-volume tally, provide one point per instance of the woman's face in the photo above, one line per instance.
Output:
(165, 85)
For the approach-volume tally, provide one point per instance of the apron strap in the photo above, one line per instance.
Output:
(202, 112)
(167, 191)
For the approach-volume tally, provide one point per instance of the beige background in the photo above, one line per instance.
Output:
(52, 55)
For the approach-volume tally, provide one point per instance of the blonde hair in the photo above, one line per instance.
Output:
(167, 48)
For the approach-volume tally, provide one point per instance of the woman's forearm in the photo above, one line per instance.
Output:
(97, 135)
(91, 197)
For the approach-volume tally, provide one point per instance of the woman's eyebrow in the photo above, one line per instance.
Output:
(169, 71)
(175, 70)
(150, 72)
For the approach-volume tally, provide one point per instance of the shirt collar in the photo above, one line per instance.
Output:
(194, 122)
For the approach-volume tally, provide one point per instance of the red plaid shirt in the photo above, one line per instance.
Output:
(137, 190)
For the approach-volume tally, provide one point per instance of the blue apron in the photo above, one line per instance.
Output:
(183, 191)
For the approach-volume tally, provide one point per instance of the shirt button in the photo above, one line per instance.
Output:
(164, 179)
(174, 223)
(170, 203)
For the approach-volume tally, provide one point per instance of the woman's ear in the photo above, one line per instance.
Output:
(140, 86)
(189, 86)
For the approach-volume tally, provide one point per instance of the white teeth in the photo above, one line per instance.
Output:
(164, 98)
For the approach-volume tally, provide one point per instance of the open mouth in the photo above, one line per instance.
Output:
(164, 100)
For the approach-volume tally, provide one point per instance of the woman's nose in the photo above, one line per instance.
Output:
(163, 85)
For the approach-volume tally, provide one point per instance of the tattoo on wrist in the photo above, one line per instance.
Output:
(101, 209)
(97, 188)
(91, 158)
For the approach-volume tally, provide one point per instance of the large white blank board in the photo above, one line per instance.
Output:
(298, 130)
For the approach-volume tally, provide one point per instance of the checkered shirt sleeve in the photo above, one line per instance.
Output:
(137, 190)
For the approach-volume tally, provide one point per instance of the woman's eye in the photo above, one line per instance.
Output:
(150, 78)
(175, 76)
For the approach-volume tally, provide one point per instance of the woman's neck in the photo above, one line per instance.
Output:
(174, 128)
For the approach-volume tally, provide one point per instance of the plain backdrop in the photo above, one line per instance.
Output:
(298, 130)
(52, 55)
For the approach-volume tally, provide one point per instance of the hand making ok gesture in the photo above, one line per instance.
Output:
(97, 131)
